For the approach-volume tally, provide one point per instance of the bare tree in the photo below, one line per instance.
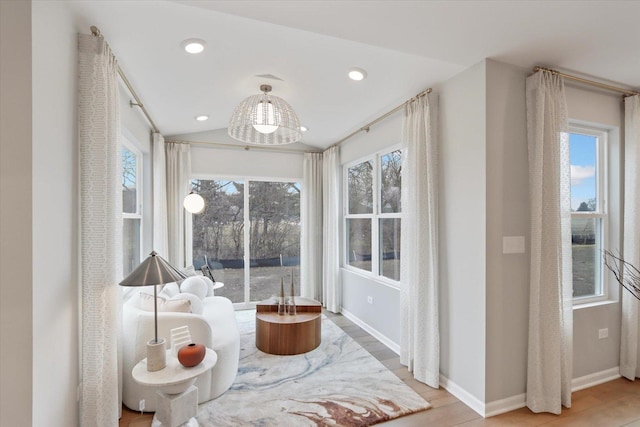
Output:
(360, 179)
(274, 218)
(129, 173)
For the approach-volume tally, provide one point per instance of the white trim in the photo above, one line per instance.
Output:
(373, 332)
(501, 406)
(601, 135)
(246, 181)
(595, 379)
(520, 400)
(374, 216)
(463, 395)
(385, 281)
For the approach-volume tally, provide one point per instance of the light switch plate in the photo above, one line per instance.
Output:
(513, 244)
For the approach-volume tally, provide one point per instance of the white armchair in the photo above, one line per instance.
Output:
(216, 328)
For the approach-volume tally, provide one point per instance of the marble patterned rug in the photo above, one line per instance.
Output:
(337, 384)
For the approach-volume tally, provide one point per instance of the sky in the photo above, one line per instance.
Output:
(583, 151)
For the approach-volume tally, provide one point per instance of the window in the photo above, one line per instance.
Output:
(372, 219)
(250, 220)
(589, 218)
(131, 207)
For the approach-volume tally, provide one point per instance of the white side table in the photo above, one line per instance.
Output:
(177, 396)
(217, 285)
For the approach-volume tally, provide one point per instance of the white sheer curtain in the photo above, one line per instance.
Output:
(178, 186)
(311, 219)
(160, 220)
(550, 352)
(100, 230)
(420, 339)
(630, 332)
(331, 283)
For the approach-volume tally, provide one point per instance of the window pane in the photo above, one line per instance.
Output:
(130, 244)
(391, 181)
(218, 234)
(359, 243)
(274, 212)
(129, 181)
(587, 260)
(583, 155)
(360, 179)
(390, 248)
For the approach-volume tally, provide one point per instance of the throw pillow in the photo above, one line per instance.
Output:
(182, 305)
(195, 285)
(171, 289)
(189, 271)
(209, 286)
(196, 304)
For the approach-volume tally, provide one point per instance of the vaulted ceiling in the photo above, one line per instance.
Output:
(405, 47)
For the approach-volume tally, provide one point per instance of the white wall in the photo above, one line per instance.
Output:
(507, 215)
(230, 162)
(385, 134)
(16, 247)
(383, 316)
(357, 286)
(133, 123)
(462, 216)
(55, 217)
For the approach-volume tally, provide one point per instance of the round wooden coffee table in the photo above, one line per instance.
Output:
(288, 334)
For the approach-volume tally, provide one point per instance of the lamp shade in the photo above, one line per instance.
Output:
(193, 203)
(265, 119)
(154, 270)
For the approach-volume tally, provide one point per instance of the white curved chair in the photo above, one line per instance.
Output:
(216, 328)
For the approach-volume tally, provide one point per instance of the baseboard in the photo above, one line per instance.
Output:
(595, 379)
(519, 401)
(501, 406)
(371, 331)
(463, 395)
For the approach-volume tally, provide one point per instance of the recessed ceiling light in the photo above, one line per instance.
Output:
(304, 128)
(357, 74)
(193, 45)
(202, 118)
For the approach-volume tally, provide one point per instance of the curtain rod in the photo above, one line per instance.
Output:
(138, 103)
(625, 92)
(240, 147)
(367, 127)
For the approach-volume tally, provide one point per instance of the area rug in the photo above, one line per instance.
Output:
(337, 384)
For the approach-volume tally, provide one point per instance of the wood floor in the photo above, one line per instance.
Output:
(613, 404)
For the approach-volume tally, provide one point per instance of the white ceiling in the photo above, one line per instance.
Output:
(405, 46)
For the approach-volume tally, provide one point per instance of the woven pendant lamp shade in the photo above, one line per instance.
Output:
(265, 119)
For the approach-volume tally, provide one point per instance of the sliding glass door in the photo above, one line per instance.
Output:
(249, 236)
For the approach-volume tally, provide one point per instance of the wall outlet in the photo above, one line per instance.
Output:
(603, 333)
(370, 299)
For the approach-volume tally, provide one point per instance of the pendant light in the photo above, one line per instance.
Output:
(265, 119)
(193, 203)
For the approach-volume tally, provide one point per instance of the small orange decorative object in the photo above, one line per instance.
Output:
(192, 354)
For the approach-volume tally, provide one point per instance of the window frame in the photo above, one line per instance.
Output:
(374, 217)
(139, 191)
(602, 206)
(246, 180)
